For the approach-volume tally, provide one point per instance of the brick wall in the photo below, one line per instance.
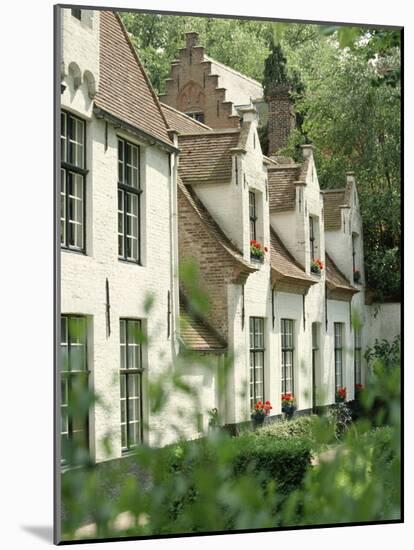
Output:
(281, 119)
(191, 87)
(217, 268)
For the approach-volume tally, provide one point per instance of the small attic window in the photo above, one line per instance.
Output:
(76, 13)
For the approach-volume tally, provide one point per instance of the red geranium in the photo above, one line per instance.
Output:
(262, 409)
(341, 394)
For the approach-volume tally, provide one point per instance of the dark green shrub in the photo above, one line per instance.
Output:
(299, 427)
(283, 461)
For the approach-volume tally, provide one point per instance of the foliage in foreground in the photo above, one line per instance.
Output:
(257, 480)
(261, 479)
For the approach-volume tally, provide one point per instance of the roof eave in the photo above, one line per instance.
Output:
(288, 281)
(141, 134)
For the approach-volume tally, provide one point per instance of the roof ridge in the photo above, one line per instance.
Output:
(214, 132)
(208, 58)
(337, 190)
(147, 80)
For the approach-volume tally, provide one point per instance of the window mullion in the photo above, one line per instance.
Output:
(125, 214)
(127, 386)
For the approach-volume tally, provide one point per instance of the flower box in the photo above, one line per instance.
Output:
(258, 259)
(316, 267)
(288, 405)
(261, 410)
(257, 252)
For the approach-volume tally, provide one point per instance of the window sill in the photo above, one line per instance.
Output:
(256, 260)
(130, 262)
(73, 250)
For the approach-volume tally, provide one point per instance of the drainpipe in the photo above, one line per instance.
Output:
(174, 282)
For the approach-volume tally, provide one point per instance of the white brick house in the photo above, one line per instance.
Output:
(144, 187)
(118, 239)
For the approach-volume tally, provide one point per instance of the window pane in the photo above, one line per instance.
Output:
(120, 161)
(76, 141)
(75, 188)
(63, 137)
(63, 206)
(130, 392)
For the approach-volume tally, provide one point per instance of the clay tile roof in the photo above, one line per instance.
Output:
(196, 334)
(333, 199)
(207, 156)
(212, 226)
(282, 190)
(124, 90)
(335, 279)
(182, 123)
(284, 265)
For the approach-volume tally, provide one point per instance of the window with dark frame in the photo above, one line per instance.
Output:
(74, 384)
(77, 13)
(315, 357)
(252, 215)
(338, 350)
(287, 356)
(129, 202)
(196, 116)
(353, 252)
(358, 357)
(256, 360)
(72, 189)
(131, 373)
(312, 238)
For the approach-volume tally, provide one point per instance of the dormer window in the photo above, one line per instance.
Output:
(312, 238)
(354, 238)
(76, 13)
(252, 215)
(355, 268)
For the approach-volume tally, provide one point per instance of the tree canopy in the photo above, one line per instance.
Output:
(346, 87)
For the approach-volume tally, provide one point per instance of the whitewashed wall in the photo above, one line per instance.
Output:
(383, 321)
(83, 276)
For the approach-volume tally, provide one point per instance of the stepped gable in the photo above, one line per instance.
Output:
(125, 91)
(201, 86)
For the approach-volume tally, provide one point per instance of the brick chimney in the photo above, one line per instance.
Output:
(281, 116)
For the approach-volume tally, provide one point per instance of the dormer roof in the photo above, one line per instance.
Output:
(338, 285)
(287, 273)
(214, 229)
(282, 189)
(333, 201)
(196, 333)
(208, 156)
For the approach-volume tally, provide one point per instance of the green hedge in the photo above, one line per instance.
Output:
(282, 460)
